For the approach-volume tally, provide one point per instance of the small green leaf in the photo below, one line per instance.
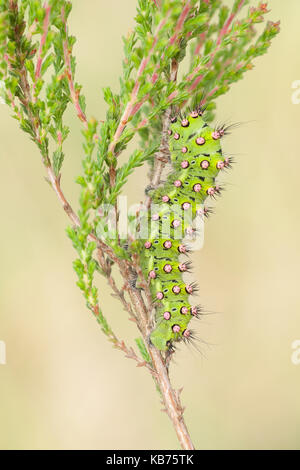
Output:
(46, 63)
(143, 350)
(58, 158)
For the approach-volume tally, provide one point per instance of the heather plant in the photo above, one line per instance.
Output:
(179, 58)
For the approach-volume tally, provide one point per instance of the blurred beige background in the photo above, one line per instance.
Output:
(63, 385)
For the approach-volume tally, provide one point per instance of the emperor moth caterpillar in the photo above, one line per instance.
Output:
(196, 158)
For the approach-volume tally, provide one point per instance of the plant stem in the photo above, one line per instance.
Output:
(42, 42)
(134, 94)
(73, 92)
(163, 155)
(171, 399)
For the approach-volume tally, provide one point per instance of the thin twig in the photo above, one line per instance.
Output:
(129, 351)
(47, 9)
(220, 38)
(118, 293)
(55, 183)
(171, 400)
(74, 93)
(163, 155)
(131, 103)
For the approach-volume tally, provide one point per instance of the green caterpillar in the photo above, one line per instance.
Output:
(196, 158)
